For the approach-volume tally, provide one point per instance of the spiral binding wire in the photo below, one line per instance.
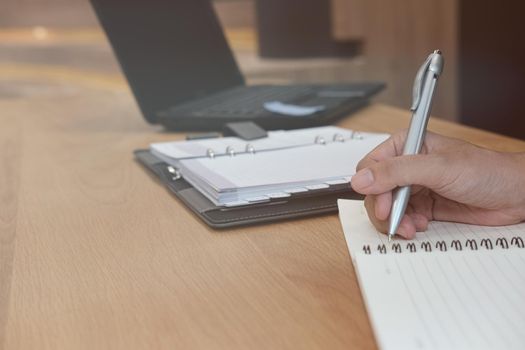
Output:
(457, 245)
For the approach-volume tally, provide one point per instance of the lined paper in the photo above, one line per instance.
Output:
(469, 299)
(457, 300)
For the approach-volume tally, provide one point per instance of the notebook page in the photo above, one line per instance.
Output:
(468, 299)
(454, 300)
(285, 167)
(360, 233)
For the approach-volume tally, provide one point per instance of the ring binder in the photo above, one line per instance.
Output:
(470, 244)
(285, 162)
(320, 140)
(250, 149)
(338, 138)
(356, 136)
(175, 174)
(210, 153)
(230, 151)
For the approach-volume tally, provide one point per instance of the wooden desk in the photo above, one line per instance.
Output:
(94, 254)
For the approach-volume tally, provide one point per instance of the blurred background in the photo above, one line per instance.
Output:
(57, 47)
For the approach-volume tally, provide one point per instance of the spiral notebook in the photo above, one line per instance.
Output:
(455, 286)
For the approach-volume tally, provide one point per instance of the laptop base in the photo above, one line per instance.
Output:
(246, 103)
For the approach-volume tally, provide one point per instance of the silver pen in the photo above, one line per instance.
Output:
(424, 87)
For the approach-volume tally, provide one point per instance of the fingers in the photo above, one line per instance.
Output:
(393, 147)
(385, 168)
(420, 221)
(448, 210)
(407, 227)
(411, 223)
(383, 205)
(380, 177)
(380, 224)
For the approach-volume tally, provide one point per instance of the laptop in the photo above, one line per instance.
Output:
(184, 76)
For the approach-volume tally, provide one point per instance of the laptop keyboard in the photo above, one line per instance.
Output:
(248, 101)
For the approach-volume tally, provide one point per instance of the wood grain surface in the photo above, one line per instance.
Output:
(95, 254)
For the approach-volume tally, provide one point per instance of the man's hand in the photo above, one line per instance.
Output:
(451, 180)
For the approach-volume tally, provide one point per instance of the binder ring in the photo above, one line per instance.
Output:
(250, 149)
(230, 151)
(175, 174)
(356, 135)
(210, 153)
(339, 138)
(320, 140)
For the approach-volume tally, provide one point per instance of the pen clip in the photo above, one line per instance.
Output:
(418, 83)
(433, 63)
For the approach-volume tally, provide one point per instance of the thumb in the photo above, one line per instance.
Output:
(424, 170)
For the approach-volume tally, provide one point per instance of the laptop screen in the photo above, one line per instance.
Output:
(171, 51)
